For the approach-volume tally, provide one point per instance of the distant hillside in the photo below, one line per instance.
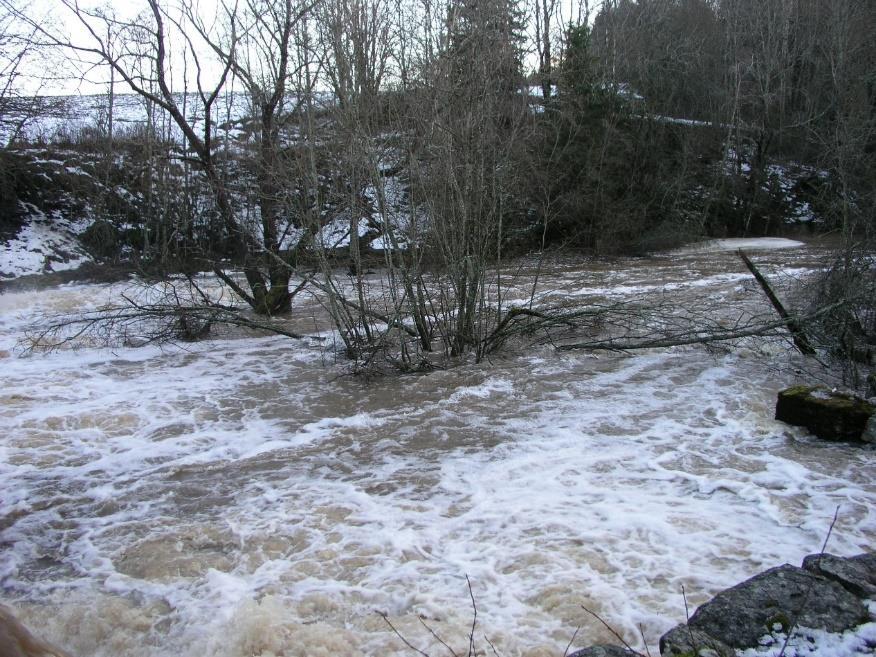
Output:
(50, 118)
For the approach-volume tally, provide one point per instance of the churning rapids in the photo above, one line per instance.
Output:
(244, 497)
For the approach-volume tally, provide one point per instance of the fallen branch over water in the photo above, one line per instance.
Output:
(796, 329)
(150, 315)
(694, 336)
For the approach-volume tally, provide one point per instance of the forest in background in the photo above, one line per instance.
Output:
(438, 140)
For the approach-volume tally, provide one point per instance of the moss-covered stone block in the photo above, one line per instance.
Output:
(827, 414)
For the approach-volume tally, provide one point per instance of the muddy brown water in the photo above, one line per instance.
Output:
(246, 497)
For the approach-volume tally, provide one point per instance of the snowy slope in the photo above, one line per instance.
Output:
(44, 244)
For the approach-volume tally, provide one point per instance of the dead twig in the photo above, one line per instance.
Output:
(436, 636)
(474, 620)
(613, 631)
(401, 636)
(802, 606)
(571, 641)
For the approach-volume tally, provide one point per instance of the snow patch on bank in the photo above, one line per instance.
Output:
(808, 642)
(46, 243)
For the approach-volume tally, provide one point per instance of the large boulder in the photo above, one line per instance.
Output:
(604, 651)
(778, 598)
(855, 574)
(827, 414)
(684, 641)
(869, 435)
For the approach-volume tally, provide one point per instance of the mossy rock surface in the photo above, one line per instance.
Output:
(827, 414)
(738, 617)
(828, 594)
(684, 641)
(857, 574)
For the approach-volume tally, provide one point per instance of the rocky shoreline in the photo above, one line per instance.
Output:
(827, 595)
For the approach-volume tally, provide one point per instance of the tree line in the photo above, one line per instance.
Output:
(459, 133)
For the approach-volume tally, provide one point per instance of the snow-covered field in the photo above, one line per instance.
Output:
(64, 116)
(244, 497)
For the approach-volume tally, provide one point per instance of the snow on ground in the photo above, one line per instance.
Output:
(808, 642)
(44, 244)
(787, 178)
(686, 122)
(392, 212)
(336, 233)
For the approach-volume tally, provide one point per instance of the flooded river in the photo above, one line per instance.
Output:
(243, 497)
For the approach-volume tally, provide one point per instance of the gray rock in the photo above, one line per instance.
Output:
(743, 614)
(867, 559)
(604, 651)
(856, 574)
(869, 435)
(684, 641)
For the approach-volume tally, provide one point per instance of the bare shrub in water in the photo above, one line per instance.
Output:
(173, 311)
(847, 334)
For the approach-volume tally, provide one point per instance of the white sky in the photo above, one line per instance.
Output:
(58, 74)
(64, 72)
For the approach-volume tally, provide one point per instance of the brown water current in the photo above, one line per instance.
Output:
(245, 496)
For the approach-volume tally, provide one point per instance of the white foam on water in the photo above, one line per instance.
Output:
(640, 290)
(239, 497)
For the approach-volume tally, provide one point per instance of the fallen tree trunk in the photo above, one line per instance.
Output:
(797, 333)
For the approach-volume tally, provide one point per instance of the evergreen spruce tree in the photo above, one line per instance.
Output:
(485, 53)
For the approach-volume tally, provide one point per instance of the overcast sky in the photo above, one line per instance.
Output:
(60, 73)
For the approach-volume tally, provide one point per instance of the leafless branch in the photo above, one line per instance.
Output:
(805, 600)
(613, 631)
(401, 636)
(571, 641)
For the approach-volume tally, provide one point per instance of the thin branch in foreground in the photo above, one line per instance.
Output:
(644, 642)
(687, 619)
(695, 337)
(571, 641)
(613, 631)
(436, 636)
(492, 647)
(386, 620)
(472, 651)
(793, 625)
(474, 620)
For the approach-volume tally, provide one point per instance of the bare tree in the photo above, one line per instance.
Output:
(257, 48)
(544, 12)
(476, 118)
(254, 47)
(18, 53)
